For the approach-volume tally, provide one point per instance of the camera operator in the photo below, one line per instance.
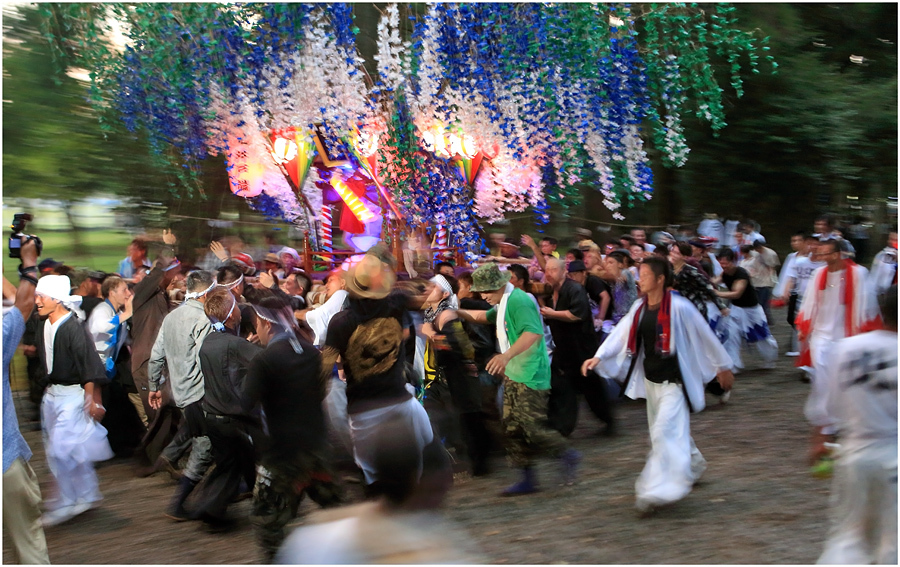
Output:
(21, 493)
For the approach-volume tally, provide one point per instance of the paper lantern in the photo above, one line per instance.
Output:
(245, 177)
(284, 150)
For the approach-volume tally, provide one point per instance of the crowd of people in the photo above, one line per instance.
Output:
(254, 379)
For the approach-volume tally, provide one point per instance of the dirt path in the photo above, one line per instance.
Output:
(757, 502)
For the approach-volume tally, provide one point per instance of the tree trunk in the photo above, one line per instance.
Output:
(78, 244)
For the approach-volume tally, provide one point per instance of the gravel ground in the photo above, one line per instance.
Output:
(757, 502)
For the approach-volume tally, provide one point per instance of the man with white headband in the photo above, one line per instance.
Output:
(230, 277)
(453, 393)
(71, 409)
(224, 360)
(178, 347)
(285, 380)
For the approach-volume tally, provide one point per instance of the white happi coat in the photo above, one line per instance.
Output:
(700, 354)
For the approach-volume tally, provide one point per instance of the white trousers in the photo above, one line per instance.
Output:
(73, 442)
(816, 408)
(367, 426)
(752, 328)
(863, 507)
(335, 405)
(674, 463)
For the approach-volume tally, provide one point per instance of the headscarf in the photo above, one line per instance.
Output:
(450, 302)
(58, 288)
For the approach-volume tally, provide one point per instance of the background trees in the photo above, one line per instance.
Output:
(797, 143)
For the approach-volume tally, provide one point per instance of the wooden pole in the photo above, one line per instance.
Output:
(307, 254)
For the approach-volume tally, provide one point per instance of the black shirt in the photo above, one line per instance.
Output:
(748, 298)
(224, 360)
(595, 287)
(88, 304)
(369, 337)
(657, 368)
(289, 387)
(483, 337)
(575, 341)
(75, 359)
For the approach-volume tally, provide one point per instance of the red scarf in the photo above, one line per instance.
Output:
(847, 298)
(850, 328)
(663, 325)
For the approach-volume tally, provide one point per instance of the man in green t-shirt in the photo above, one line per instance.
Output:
(525, 366)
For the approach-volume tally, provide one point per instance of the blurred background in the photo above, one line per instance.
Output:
(820, 135)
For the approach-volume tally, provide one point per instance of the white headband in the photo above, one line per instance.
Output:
(196, 294)
(442, 283)
(263, 317)
(233, 284)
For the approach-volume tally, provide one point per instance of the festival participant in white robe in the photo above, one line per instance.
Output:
(71, 409)
(792, 283)
(884, 267)
(664, 351)
(859, 397)
(336, 301)
(747, 313)
(839, 303)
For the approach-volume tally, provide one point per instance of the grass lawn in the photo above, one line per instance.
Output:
(99, 250)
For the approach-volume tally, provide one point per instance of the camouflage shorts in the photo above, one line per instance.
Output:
(277, 494)
(525, 425)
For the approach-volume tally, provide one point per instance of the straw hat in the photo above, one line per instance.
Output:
(369, 278)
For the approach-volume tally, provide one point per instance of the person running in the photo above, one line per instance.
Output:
(71, 409)
(858, 395)
(108, 327)
(524, 362)
(224, 360)
(747, 313)
(370, 338)
(177, 347)
(569, 317)
(664, 351)
(884, 267)
(286, 381)
(839, 304)
(453, 397)
(796, 280)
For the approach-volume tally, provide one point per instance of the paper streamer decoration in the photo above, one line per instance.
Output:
(305, 154)
(326, 243)
(468, 167)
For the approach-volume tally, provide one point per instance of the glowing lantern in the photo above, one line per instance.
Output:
(468, 147)
(366, 144)
(284, 150)
(434, 141)
(356, 206)
(245, 176)
(454, 145)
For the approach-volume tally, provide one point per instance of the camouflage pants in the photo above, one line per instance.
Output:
(525, 425)
(277, 494)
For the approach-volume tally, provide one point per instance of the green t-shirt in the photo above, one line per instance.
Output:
(532, 367)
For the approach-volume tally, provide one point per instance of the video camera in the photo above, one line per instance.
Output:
(18, 237)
